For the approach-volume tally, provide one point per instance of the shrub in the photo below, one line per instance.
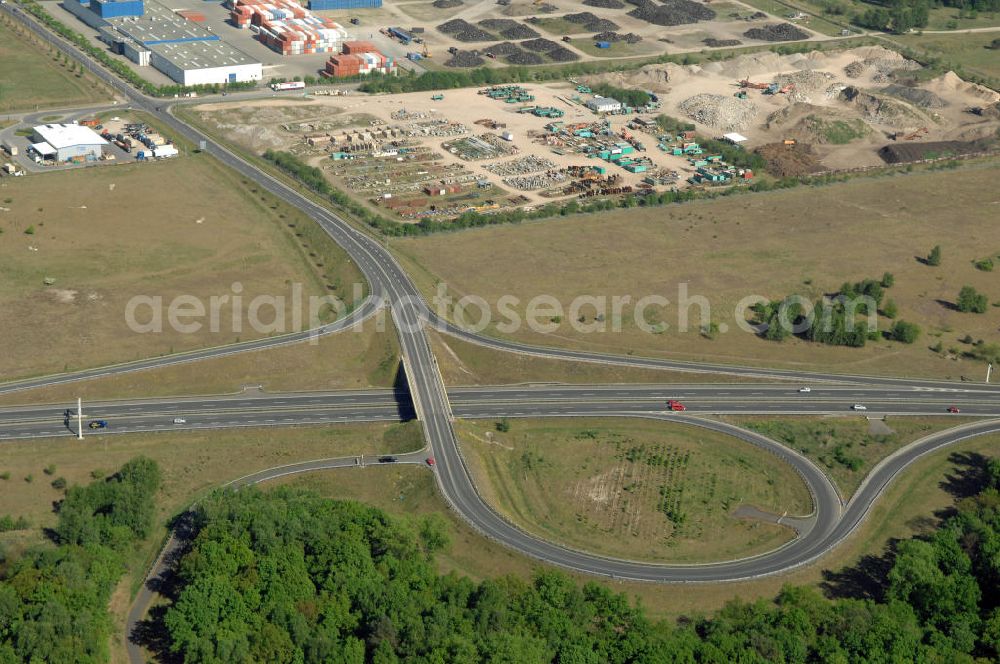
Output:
(985, 265)
(905, 332)
(934, 258)
(971, 301)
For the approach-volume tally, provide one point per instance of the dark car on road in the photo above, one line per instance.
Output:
(98, 424)
(387, 459)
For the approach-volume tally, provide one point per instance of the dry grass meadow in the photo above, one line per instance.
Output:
(347, 360)
(78, 245)
(30, 78)
(635, 489)
(806, 241)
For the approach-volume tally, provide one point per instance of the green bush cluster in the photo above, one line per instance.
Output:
(54, 599)
(288, 576)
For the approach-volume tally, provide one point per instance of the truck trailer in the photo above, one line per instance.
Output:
(288, 85)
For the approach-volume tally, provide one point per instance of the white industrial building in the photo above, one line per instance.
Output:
(63, 142)
(604, 104)
(204, 63)
(183, 50)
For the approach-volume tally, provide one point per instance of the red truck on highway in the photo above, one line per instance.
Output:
(676, 405)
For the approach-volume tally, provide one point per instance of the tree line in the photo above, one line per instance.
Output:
(288, 576)
(54, 598)
(833, 319)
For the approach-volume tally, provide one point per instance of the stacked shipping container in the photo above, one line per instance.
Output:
(358, 58)
(287, 27)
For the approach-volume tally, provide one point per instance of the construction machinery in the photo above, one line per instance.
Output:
(437, 97)
(916, 134)
(742, 94)
(747, 83)
(424, 52)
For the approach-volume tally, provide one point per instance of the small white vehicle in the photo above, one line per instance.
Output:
(858, 406)
(805, 389)
(180, 420)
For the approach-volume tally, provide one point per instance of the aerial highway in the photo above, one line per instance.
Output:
(261, 409)
(435, 407)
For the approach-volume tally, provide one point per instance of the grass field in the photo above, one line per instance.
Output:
(348, 360)
(464, 363)
(78, 245)
(30, 78)
(618, 49)
(191, 461)
(806, 241)
(635, 489)
(846, 447)
(907, 508)
(966, 50)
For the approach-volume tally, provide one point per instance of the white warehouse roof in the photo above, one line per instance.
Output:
(62, 136)
(735, 138)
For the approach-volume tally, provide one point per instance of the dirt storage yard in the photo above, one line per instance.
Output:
(806, 241)
(436, 155)
(841, 107)
(655, 27)
(633, 489)
(78, 245)
(417, 156)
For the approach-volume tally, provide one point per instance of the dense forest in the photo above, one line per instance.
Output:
(288, 576)
(54, 599)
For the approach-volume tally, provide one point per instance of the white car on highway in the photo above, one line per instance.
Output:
(858, 406)
(805, 389)
(180, 420)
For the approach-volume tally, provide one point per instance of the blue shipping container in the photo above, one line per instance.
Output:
(117, 8)
(602, 44)
(319, 5)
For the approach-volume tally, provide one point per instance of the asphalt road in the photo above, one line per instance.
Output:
(259, 409)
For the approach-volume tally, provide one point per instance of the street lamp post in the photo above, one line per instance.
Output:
(79, 418)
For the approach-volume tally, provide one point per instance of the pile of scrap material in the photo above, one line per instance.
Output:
(777, 32)
(671, 12)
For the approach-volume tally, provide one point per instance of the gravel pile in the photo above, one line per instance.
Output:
(464, 59)
(916, 96)
(720, 112)
(879, 110)
(604, 4)
(712, 42)
(591, 21)
(883, 66)
(540, 45)
(855, 69)
(465, 32)
(504, 48)
(524, 58)
(776, 32)
(671, 12)
(630, 38)
(756, 16)
(561, 54)
(447, 4)
(806, 80)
